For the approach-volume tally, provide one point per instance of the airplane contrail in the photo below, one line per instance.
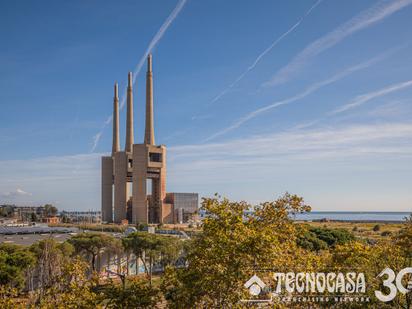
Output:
(309, 90)
(271, 46)
(162, 30)
(154, 42)
(363, 20)
(362, 99)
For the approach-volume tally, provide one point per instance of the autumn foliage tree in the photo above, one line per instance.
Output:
(74, 289)
(234, 244)
(136, 293)
(51, 257)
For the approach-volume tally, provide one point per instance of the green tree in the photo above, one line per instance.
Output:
(152, 249)
(65, 219)
(33, 217)
(50, 210)
(6, 211)
(92, 244)
(15, 260)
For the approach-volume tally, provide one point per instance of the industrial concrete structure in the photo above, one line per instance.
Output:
(125, 173)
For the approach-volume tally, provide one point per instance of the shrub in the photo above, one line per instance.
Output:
(333, 236)
(386, 233)
(319, 238)
(376, 228)
(141, 226)
(309, 241)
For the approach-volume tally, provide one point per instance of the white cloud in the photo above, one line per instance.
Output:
(392, 108)
(309, 162)
(365, 19)
(352, 167)
(16, 193)
(304, 144)
(72, 180)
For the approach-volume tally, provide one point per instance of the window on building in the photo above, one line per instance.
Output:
(155, 157)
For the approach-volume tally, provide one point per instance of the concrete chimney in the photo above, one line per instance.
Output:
(149, 138)
(116, 134)
(129, 116)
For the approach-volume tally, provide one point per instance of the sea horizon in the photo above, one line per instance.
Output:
(360, 216)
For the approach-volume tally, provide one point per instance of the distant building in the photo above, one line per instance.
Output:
(8, 221)
(52, 220)
(23, 213)
(185, 206)
(91, 216)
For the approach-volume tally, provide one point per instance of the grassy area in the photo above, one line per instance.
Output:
(115, 228)
(363, 230)
(370, 230)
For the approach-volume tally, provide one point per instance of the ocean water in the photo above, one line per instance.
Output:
(363, 216)
(353, 216)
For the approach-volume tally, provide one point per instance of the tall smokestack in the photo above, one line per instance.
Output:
(129, 119)
(116, 134)
(149, 130)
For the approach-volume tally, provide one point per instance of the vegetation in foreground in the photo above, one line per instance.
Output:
(217, 261)
(365, 230)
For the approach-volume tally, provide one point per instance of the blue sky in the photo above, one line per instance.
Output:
(252, 98)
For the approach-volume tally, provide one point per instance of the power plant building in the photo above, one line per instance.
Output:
(125, 173)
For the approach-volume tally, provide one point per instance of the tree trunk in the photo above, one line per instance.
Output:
(144, 265)
(151, 269)
(127, 263)
(93, 262)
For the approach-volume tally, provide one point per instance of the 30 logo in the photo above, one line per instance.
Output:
(394, 287)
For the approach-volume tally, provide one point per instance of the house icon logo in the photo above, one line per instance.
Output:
(255, 285)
